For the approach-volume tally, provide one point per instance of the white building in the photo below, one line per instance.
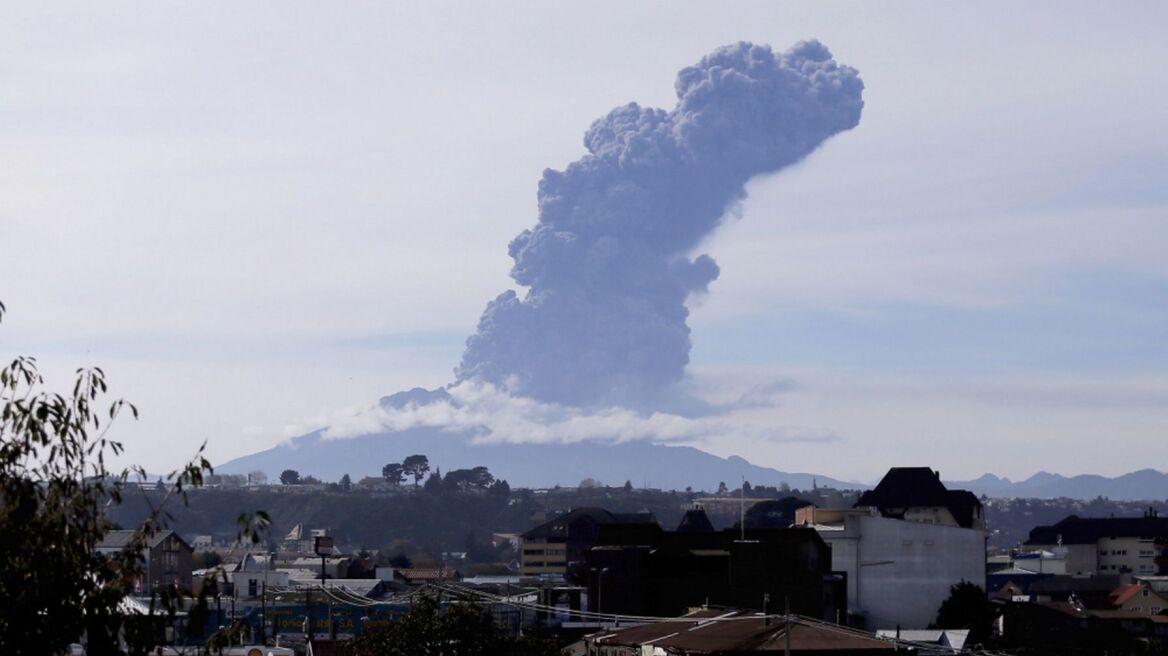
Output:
(898, 571)
(904, 548)
(1125, 546)
(254, 574)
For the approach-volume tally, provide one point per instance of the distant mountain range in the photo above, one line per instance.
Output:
(1142, 484)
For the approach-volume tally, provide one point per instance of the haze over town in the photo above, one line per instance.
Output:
(260, 220)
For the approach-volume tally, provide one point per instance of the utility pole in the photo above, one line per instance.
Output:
(308, 614)
(742, 508)
(787, 632)
(264, 611)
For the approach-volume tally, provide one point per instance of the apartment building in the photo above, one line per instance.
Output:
(1108, 545)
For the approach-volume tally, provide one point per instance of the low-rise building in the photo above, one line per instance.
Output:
(167, 559)
(549, 549)
(253, 574)
(642, 569)
(1108, 545)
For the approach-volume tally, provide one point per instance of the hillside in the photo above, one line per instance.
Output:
(529, 465)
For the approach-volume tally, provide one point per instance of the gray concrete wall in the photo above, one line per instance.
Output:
(899, 572)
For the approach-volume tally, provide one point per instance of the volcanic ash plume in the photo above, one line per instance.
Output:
(609, 265)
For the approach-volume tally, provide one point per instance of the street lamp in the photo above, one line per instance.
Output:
(600, 587)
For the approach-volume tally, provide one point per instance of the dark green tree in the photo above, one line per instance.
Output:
(416, 465)
(461, 628)
(778, 513)
(346, 483)
(393, 473)
(434, 484)
(967, 607)
(290, 477)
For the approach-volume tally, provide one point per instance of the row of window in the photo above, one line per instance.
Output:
(1145, 567)
(549, 563)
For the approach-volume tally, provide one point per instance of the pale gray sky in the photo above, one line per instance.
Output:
(256, 218)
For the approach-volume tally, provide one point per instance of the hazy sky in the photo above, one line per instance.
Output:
(258, 218)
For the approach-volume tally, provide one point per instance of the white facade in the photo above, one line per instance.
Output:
(1110, 555)
(898, 571)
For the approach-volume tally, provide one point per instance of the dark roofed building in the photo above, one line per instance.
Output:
(559, 543)
(916, 494)
(1088, 530)
(1108, 545)
(695, 521)
(635, 571)
(167, 559)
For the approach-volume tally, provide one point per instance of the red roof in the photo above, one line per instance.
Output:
(1124, 593)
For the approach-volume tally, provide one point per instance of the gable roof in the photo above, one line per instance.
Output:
(914, 487)
(695, 521)
(1125, 593)
(120, 539)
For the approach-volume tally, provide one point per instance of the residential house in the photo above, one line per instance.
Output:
(253, 574)
(167, 559)
(1139, 599)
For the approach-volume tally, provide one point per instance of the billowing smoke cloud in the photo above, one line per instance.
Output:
(610, 264)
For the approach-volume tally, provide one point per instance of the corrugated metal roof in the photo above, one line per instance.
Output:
(743, 632)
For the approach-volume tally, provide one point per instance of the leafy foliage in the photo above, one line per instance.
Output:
(967, 607)
(290, 477)
(393, 473)
(774, 514)
(416, 465)
(55, 488)
(457, 629)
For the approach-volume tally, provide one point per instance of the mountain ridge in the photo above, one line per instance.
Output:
(641, 462)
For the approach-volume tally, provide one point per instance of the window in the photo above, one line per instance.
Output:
(252, 586)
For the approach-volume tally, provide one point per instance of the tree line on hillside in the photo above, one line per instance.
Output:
(474, 479)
